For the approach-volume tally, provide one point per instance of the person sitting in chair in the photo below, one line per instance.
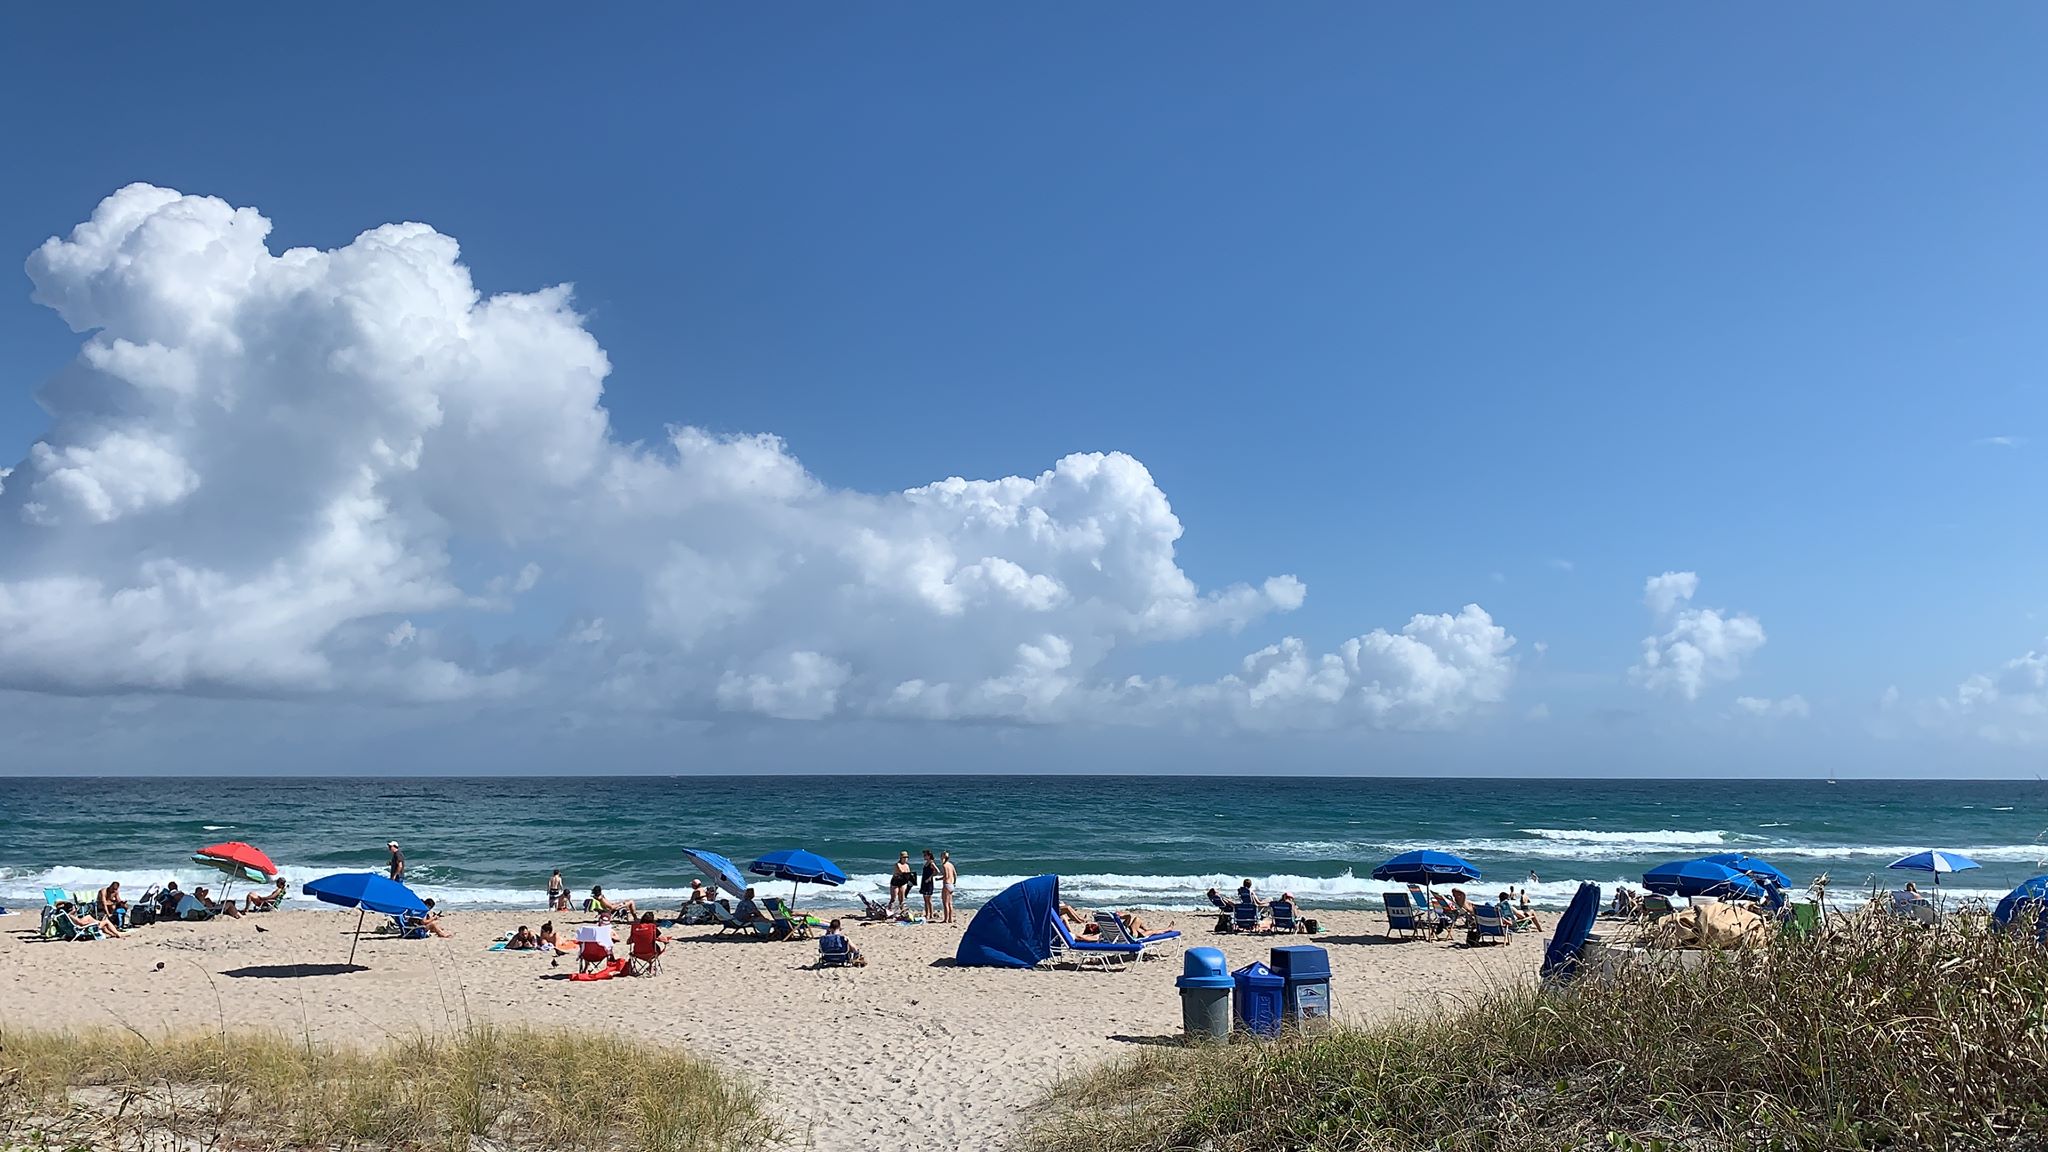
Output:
(260, 902)
(834, 941)
(749, 912)
(644, 944)
(216, 907)
(604, 907)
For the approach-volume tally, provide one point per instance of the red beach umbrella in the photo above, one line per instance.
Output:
(237, 859)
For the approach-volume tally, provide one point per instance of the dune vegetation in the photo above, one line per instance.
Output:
(500, 1087)
(1877, 1035)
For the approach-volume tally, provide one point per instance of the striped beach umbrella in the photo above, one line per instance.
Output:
(1936, 861)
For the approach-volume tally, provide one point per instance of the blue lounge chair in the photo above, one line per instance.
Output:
(409, 928)
(1283, 916)
(1066, 949)
(727, 922)
(1486, 922)
(1402, 917)
(1110, 930)
(1245, 917)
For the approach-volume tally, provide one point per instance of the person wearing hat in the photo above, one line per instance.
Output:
(397, 860)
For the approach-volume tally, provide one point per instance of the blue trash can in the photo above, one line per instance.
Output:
(1304, 971)
(1257, 999)
(1205, 986)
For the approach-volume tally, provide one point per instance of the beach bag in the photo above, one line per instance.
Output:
(1310, 926)
(1223, 922)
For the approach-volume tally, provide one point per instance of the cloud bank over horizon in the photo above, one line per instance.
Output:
(307, 473)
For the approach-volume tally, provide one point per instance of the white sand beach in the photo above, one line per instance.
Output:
(908, 1052)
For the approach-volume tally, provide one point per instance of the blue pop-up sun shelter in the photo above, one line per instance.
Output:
(1012, 930)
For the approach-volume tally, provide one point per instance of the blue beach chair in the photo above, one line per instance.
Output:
(1066, 949)
(1283, 916)
(1245, 916)
(1487, 924)
(834, 951)
(1110, 930)
(1402, 917)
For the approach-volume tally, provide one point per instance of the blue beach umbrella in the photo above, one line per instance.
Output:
(721, 872)
(2031, 894)
(798, 867)
(1700, 878)
(1936, 861)
(1759, 870)
(1426, 866)
(368, 892)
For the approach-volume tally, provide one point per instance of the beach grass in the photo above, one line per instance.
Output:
(510, 1087)
(1879, 1036)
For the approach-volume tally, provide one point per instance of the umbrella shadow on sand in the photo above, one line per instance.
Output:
(284, 971)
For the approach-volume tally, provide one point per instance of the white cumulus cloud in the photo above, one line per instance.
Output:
(270, 474)
(1698, 645)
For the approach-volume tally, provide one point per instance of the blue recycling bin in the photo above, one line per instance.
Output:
(1304, 971)
(1257, 999)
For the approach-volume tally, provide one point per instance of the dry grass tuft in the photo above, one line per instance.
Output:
(515, 1087)
(1883, 1037)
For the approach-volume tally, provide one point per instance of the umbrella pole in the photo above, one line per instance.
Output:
(360, 913)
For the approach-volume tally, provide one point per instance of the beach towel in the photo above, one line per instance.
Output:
(615, 968)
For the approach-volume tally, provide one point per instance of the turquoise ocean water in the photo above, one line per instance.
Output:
(1116, 840)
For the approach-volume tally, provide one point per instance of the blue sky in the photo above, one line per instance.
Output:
(1515, 309)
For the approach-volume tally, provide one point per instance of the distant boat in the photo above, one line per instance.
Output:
(1831, 776)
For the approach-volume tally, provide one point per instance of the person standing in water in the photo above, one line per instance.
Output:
(946, 878)
(556, 889)
(927, 883)
(397, 861)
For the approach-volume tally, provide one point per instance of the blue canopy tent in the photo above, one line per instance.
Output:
(1426, 866)
(1012, 930)
(1561, 958)
(798, 867)
(1760, 871)
(1701, 878)
(1935, 861)
(2029, 896)
(721, 872)
(367, 892)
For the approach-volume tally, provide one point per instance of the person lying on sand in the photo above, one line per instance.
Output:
(610, 907)
(546, 938)
(523, 940)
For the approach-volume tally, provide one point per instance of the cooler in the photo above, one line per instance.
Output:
(1258, 999)
(1304, 972)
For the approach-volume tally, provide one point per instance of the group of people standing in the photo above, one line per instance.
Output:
(935, 877)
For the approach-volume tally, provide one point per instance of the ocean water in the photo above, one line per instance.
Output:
(1150, 841)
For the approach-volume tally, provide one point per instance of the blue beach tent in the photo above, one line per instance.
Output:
(1014, 929)
(2033, 894)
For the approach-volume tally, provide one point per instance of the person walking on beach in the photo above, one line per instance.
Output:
(927, 883)
(397, 861)
(556, 890)
(899, 884)
(946, 878)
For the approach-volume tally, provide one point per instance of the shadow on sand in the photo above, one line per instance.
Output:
(282, 971)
